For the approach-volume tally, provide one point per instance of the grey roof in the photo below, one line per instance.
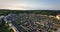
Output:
(58, 30)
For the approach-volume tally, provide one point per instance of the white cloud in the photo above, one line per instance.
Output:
(11, 4)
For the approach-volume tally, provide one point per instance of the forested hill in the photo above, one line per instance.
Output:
(46, 12)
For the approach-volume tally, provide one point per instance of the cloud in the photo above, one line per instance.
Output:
(24, 5)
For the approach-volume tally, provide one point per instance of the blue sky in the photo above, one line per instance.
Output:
(30, 4)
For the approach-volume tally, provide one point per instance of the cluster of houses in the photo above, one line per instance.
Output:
(10, 16)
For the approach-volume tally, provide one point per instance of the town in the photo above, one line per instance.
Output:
(32, 22)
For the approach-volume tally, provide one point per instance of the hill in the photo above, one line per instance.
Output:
(45, 12)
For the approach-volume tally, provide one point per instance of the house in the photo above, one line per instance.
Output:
(58, 30)
(1, 21)
(58, 16)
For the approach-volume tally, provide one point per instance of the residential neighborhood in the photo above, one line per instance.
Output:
(32, 23)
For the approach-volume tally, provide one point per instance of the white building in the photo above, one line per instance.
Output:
(1, 17)
(58, 16)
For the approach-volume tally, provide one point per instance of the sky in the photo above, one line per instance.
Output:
(30, 4)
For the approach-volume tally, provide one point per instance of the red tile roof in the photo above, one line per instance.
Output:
(58, 15)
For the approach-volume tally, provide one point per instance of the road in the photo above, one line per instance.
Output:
(12, 25)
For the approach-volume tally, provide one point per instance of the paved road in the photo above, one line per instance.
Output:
(17, 26)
